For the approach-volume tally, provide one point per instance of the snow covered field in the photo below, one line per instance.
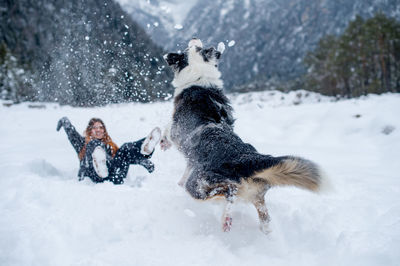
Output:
(49, 218)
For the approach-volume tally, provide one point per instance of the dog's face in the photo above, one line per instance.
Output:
(195, 54)
(195, 66)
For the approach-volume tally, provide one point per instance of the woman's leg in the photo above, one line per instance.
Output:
(129, 153)
(151, 141)
(89, 165)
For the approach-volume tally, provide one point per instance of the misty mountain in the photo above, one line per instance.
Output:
(153, 16)
(271, 36)
(83, 52)
(161, 19)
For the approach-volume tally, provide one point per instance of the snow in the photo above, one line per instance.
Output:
(221, 47)
(231, 43)
(178, 26)
(48, 217)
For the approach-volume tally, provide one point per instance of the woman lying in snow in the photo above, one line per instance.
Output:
(101, 159)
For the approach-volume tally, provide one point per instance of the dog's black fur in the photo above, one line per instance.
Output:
(217, 153)
(219, 163)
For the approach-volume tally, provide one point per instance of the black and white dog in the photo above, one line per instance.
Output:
(219, 163)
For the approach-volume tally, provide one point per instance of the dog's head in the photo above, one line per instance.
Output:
(196, 65)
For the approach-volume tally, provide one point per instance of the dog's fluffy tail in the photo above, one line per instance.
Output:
(293, 171)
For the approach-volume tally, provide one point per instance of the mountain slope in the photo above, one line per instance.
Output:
(271, 36)
(161, 19)
(84, 52)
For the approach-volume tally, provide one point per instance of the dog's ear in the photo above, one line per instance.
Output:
(210, 53)
(173, 58)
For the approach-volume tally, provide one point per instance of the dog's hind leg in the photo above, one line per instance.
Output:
(259, 203)
(230, 195)
(203, 185)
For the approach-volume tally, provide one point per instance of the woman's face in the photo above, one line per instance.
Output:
(97, 131)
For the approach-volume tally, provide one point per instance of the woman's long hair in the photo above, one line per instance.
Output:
(106, 139)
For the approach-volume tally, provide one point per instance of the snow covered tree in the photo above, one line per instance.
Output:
(15, 80)
(84, 53)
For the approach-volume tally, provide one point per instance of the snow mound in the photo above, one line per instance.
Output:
(276, 98)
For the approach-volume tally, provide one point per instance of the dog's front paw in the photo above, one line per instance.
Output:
(165, 144)
(227, 224)
(181, 183)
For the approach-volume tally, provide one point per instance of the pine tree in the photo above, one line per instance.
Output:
(364, 59)
(15, 81)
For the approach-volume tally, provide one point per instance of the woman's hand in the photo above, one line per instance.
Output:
(62, 123)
